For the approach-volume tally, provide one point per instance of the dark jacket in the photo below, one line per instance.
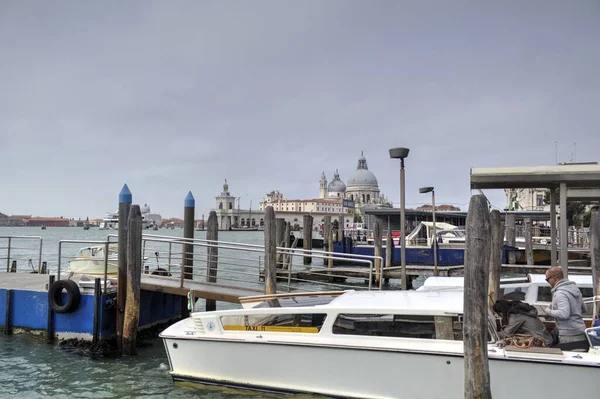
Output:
(526, 324)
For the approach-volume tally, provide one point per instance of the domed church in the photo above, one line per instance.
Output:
(362, 187)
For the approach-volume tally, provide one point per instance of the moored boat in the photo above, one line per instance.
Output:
(362, 345)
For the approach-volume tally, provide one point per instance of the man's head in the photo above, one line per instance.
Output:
(554, 275)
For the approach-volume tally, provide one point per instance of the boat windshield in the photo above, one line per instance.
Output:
(296, 302)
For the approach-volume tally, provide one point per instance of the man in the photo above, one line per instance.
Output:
(567, 308)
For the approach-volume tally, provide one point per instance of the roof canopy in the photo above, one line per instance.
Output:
(574, 175)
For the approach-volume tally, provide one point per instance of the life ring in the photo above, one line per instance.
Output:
(55, 296)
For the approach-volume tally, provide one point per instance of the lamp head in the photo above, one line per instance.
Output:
(424, 190)
(399, 152)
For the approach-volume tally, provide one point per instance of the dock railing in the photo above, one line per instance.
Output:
(15, 253)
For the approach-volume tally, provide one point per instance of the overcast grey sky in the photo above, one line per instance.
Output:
(172, 96)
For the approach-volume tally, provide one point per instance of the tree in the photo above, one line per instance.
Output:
(577, 213)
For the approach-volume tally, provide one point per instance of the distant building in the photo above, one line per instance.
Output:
(439, 208)
(48, 222)
(526, 199)
(14, 220)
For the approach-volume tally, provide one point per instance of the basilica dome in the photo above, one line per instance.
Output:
(363, 176)
(336, 185)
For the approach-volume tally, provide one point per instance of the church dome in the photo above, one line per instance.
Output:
(363, 176)
(145, 209)
(336, 185)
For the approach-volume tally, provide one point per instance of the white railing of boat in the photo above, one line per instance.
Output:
(31, 254)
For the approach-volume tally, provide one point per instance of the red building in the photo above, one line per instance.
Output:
(48, 222)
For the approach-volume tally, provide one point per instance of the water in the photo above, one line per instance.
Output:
(29, 368)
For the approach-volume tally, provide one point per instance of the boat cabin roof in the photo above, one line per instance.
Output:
(458, 282)
(409, 302)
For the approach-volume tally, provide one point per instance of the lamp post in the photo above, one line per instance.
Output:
(431, 190)
(401, 153)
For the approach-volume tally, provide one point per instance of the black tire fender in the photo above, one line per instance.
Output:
(55, 296)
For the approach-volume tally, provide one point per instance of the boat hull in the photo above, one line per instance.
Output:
(362, 372)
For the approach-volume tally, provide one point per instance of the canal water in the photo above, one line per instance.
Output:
(29, 368)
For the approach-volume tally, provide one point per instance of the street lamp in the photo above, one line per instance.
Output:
(401, 153)
(424, 190)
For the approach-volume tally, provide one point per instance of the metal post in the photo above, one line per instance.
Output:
(435, 257)
(8, 255)
(553, 249)
(564, 250)
(40, 257)
(402, 227)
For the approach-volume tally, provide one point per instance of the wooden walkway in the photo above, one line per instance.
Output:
(170, 285)
(218, 292)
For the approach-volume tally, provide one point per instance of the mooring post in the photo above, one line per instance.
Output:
(8, 313)
(307, 238)
(477, 260)
(50, 321)
(287, 243)
(495, 256)
(326, 230)
(13, 266)
(377, 250)
(125, 199)
(528, 242)
(389, 249)
(279, 239)
(189, 213)
(270, 252)
(212, 255)
(44, 269)
(97, 309)
(511, 238)
(595, 251)
(134, 277)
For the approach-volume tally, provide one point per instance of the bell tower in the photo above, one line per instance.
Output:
(323, 186)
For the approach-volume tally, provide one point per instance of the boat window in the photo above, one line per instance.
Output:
(292, 322)
(296, 302)
(545, 295)
(514, 292)
(404, 326)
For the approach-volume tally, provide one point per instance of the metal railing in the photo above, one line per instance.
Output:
(32, 254)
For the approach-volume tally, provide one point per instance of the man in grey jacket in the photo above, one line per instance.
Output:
(567, 309)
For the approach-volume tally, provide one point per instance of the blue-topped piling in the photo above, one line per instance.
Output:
(189, 213)
(125, 200)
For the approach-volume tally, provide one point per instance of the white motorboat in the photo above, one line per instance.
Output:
(390, 344)
(93, 261)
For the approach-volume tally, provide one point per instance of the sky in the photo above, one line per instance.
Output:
(176, 96)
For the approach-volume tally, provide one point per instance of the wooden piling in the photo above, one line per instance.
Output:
(134, 277)
(125, 199)
(189, 214)
(44, 269)
(307, 237)
(495, 256)
(388, 252)
(326, 230)
(212, 255)
(279, 230)
(8, 313)
(270, 252)
(13, 266)
(377, 250)
(330, 246)
(50, 316)
(595, 250)
(511, 238)
(97, 309)
(287, 242)
(477, 259)
(528, 242)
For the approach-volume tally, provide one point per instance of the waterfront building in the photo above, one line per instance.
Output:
(230, 215)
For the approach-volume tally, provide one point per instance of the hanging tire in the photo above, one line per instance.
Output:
(55, 296)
